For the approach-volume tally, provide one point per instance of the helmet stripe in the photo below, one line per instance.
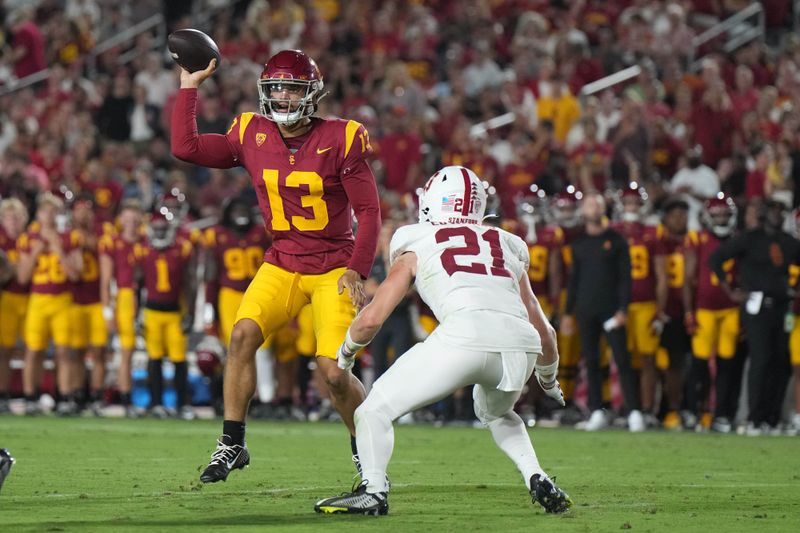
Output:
(467, 193)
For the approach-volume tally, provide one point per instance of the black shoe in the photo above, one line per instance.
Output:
(6, 462)
(545, 492)
(224, 459)
(357, 502)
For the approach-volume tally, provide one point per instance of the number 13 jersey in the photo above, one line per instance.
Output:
(302, 194)
(469, 276)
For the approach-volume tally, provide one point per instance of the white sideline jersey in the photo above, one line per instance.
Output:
(468, 274)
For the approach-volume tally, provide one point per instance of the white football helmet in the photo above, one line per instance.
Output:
(453, 195)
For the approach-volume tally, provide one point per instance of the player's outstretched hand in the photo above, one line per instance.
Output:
(343, 360)
(351, 280)
(552, 389)
(192, 80)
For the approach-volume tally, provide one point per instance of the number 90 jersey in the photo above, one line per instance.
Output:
(469, 276)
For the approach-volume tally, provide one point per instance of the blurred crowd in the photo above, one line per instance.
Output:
(426, 79)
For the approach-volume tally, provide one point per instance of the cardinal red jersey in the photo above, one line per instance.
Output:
(672, 248)
(305, 196)
(86, 290)
(709, 294)
(164, 273)
(9, 246)
(643, 246)
(549, 240)
(49, 275)
(239, 256)
(123, 257)
(569, 235)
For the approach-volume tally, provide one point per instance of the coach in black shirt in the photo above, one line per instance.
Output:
(763, 255)
(598, 295)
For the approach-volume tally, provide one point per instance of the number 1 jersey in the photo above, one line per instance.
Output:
(469, 276)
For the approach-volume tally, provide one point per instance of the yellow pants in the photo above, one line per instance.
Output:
(275, 296)
(13, 307)
(717, 332)
(48, 318)
(126, 318)
(88, 326)
(641, 338)
(163, 335)
(227, 307)
(794, 342)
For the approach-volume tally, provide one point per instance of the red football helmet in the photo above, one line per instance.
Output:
(565, 207)
(287, 73)
(719, 215)
(631, 203)
(161, 230)
(174, 201)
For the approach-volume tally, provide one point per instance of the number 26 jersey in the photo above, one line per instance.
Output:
(469, 276)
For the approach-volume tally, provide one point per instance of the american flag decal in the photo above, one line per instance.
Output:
(449, 202)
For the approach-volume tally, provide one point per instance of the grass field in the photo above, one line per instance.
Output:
(141, 475)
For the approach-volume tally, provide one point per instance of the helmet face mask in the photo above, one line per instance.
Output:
(161, 231)
(719, 216)
(453, 195)
(290, 88)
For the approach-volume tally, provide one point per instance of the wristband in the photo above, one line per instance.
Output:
(547, 372)
(350, 346)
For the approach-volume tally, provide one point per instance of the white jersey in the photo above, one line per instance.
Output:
(469, 276)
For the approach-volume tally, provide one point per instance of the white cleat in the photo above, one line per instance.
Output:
(636, 422)
(597, 421)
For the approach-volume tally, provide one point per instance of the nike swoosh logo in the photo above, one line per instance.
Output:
(323, 150)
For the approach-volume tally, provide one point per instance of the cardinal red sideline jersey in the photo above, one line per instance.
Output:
(643, 247)
(9, 246)
(238, 256)
(305, 196)
(164, 272)
(709, 294)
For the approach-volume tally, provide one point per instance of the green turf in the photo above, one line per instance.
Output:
(141, 475)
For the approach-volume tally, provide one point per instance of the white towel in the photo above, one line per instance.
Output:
(515, 370)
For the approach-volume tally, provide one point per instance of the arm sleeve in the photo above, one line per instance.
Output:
(729, 249)
(359, 184)
(624, 273)
(572, 286)
(210, 149)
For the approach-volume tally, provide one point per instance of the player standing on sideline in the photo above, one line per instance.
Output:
(644, 324)
(712, 318)
(492, 334)
(307, 172)
(13, 295)
(236, 249)
(50, 261)
(118, 264)
(89, 333)
(168, 272)
(669, 298)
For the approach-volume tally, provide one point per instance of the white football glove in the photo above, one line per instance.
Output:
(344, 359)
(552, 389)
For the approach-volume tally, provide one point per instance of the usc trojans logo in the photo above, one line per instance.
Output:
(260, 138)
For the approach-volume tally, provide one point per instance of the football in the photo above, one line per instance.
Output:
(192, 49)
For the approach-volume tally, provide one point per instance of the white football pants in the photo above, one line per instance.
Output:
(425, 374)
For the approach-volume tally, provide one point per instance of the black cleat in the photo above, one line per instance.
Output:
(357, 502)
(545, 493)
(224, 459)
(6, 462)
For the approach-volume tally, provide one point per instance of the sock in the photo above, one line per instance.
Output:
(181, 371)
(303, 378)
(353, 445)
(511, 436)
(375, 440)
(125, 398)
(155, 381)
(265, 377)
(31, 398)
(234, 431)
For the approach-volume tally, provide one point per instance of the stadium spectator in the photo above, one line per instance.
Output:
(28, 52)
(695, 183)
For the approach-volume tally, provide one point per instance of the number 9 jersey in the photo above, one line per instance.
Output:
(469, 276)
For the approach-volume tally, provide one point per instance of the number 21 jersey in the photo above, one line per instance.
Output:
(469, 276)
